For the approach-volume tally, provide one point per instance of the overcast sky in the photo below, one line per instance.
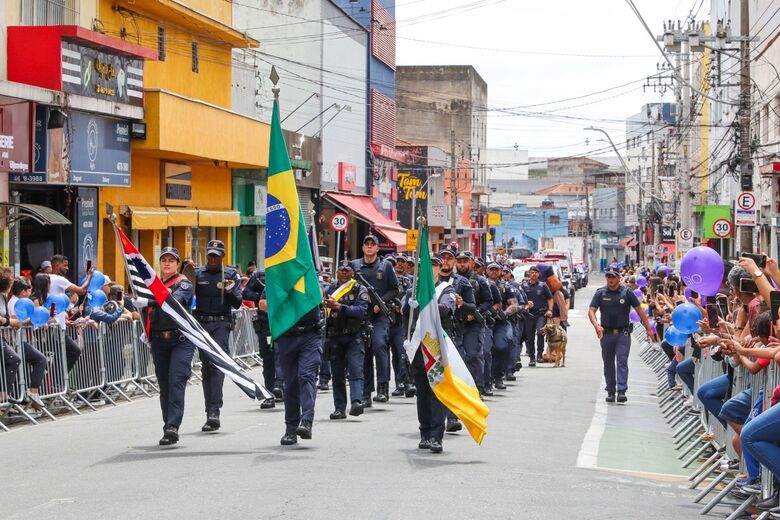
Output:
(603, 27)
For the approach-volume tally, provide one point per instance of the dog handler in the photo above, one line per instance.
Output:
(614, 303)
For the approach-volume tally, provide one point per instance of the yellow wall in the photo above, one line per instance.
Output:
(213, 81)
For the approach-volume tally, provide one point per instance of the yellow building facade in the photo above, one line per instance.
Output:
(181, 173)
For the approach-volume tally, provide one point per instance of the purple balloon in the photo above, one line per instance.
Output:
(641, 281)
(688, 293)
(639, 294)
(652, 326)
(633, 316)
(702, 270)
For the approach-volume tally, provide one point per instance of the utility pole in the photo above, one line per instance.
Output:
(586, 245)
(746, 165)
(640, 238)
(453, 190)
(684, 170)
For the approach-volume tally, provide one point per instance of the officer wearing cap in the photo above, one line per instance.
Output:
(403, 380)
(381, 276)
(473, 335)
(217, 292)
(503, 334)
(272, 371)
(541, 302)
(346, 309)
(171, 352)
(614, 302)
(517, 320)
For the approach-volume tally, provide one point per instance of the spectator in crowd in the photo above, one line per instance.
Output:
(45, 267)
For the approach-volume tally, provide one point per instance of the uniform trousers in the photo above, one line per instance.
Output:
(614, 353)
(300, 358)
(503, 338)
(172, 366)
(346, 355)
(430, 411)
(470, 346)
(213, 378)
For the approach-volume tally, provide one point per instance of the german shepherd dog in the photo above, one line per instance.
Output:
(556, 344)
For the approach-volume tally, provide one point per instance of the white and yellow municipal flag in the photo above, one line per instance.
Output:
(447, 373)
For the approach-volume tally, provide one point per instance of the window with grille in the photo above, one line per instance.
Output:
(555, 219)
(194, 56)
(50, 12)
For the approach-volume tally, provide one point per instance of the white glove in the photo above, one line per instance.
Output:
(139, 302)
(413, 304)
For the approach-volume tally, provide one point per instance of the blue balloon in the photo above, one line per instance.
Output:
(658, 267)
(98, 280)
(64, 303)
(193, 303)
(684, 318)
(23, 308)
(97, 298)
(40, 317)
(675, 337)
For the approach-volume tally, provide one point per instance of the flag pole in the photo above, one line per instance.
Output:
(112, 219)
(420, 225)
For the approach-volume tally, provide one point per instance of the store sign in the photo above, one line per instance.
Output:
(86, 229)
(177, 184)
(99, 150)
(667, 234)
(410, 185)
(16, 136)
(261, 193)
(93, 73)
(347, 177)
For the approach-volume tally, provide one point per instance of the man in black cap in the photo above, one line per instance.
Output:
(346, 309)
(518, 324)
(217, 293)
(381, 276)
(615, 301)
(403, 381)
(171, 352)
(504, 308)
(540, 309)
(473, 335)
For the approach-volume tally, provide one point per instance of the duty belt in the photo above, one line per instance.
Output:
(624, 330)
(170, 334)
(209, 318)
(304, 329)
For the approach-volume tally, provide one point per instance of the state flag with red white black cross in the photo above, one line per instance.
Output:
(148, 285)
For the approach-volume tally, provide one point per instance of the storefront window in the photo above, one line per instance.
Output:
(200, 238)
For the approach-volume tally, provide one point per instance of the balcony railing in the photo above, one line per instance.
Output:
(50, 12)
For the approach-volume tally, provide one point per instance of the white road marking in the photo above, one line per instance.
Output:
(588, 456)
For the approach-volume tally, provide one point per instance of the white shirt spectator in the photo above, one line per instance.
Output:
(11, 306)
(59, 284)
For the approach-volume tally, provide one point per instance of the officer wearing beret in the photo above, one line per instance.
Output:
(217, 292)
(614, 301)
(346, 309)
(381, 276)
(171, 352)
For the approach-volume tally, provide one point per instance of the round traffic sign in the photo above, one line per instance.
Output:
(686, 234)
(721, 228)
(746, 200)
(339, 222)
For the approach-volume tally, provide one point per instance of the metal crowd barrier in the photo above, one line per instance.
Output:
(114, 362)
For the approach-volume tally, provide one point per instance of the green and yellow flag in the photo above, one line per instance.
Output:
(291, 284)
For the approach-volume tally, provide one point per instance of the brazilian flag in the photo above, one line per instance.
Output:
(291, 284)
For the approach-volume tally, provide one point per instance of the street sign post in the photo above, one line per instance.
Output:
(411, 239)
(746, 201)
(338, 223)
(745, 210)
(685, 236)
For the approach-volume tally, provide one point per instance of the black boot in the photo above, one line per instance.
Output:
(382, 393)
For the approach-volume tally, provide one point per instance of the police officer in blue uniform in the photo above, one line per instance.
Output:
(217, 293)
(403, 382)
(300, 353)
(614, 301)
(381, 276)
(517, 321)
(474, 330)
(541, 300)
(272, 372)
(430, 412)
(346, 309)
(171, 352)
(504, 308)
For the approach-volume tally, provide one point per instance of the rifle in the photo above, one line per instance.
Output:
(375, 298)
(478, 317)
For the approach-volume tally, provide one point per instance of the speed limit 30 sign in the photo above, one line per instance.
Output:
(339, 222)
(721, 228)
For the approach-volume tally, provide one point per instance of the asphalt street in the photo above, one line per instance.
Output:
(553, 450)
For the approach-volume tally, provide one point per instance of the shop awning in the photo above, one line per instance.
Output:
(41, 214)
(363, 207)
(145, 217)
(180, 217)
(217, 218)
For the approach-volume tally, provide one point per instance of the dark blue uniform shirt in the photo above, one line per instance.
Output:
(614, 306)
(537, 293)
(380, 275)
(210, 298)
(463, 289)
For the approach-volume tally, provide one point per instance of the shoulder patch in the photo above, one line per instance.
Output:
(186, 285)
